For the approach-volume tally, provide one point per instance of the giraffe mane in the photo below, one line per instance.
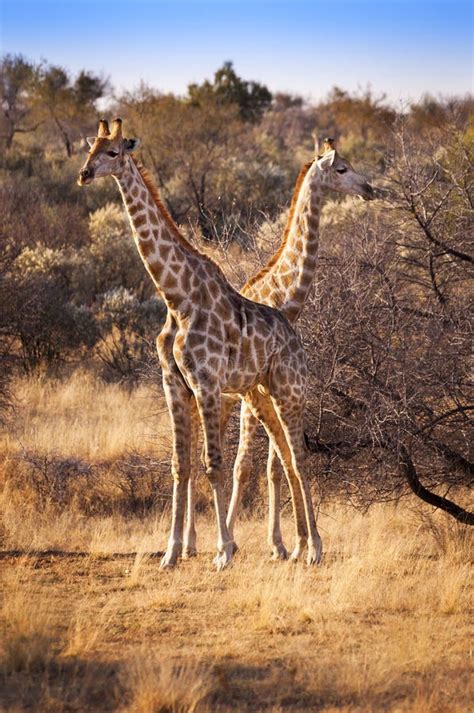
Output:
(154, 192)
(276, 256)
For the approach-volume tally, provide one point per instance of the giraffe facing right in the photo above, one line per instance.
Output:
(285, 283)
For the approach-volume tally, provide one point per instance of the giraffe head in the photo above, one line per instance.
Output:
(337, 174)
(108, 152)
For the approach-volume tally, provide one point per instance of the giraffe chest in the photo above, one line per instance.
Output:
(233, 355)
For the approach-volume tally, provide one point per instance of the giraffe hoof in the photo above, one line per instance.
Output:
(167, 563)
(296, 554)
(189, 552)
(315, 553)
(221, 562)
(224, 557)
(170, 557)
(279, 552)
(235, 548)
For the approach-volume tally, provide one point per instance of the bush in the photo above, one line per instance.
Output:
(128, 329)
(389, 336)
(112, 256)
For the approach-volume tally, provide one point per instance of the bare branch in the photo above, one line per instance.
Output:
(427, 496)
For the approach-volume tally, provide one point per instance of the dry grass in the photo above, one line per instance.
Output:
(165, 686)
(376, 627)
(82, 417)
(89, 622)
(27, 642)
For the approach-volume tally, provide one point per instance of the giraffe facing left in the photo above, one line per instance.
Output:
(214, 342)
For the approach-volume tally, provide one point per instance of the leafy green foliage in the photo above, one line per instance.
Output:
(252, 98)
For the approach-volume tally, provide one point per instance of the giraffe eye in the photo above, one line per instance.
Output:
(112, 154)
(341, 170)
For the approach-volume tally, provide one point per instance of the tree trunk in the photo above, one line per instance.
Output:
(65, 137)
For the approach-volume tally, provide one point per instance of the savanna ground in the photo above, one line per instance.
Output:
(89, 622)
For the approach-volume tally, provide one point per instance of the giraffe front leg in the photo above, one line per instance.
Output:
(180, 472)
(178, 400)
(209, 406)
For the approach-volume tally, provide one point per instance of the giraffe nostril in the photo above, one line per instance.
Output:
(85, 173)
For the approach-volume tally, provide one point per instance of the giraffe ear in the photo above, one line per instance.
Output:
(91, 140)
(131, 144)
(327, 159)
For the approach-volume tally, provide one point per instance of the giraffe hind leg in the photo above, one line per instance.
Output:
(241, 474)
(287, 385)
(291, 419)
(263, 408)
(243, 462)
(190, 538)
(274, 473)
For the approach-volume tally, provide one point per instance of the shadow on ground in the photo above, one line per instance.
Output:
(72, 555)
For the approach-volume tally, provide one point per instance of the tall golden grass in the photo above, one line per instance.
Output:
(82, 417)
(89, 622)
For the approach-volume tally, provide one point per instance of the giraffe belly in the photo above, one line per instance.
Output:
(245, 372)
(240, 387)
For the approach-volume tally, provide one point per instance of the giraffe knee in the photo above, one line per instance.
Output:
(243, 469)
(275, 474)
(213, 475)
(213, 467)
(180, 468)
(180, 472)
(179, 477)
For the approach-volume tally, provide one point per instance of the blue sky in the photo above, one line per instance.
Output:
(402, 47)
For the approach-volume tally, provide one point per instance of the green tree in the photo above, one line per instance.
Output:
(68, 104)
(187, 145)
(16, 82)
(252, 98)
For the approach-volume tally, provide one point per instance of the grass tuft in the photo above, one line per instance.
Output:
(165, 686)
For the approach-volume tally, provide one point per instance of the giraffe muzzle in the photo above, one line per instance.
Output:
(368, 193)
(85, 176)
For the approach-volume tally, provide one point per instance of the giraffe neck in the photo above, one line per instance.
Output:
(286, 280)
(172, 263)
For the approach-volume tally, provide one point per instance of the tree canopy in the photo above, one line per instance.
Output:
(252, 98)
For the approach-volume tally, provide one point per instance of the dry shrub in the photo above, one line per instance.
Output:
(451, 539)
(81, 445)
(131, 485)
